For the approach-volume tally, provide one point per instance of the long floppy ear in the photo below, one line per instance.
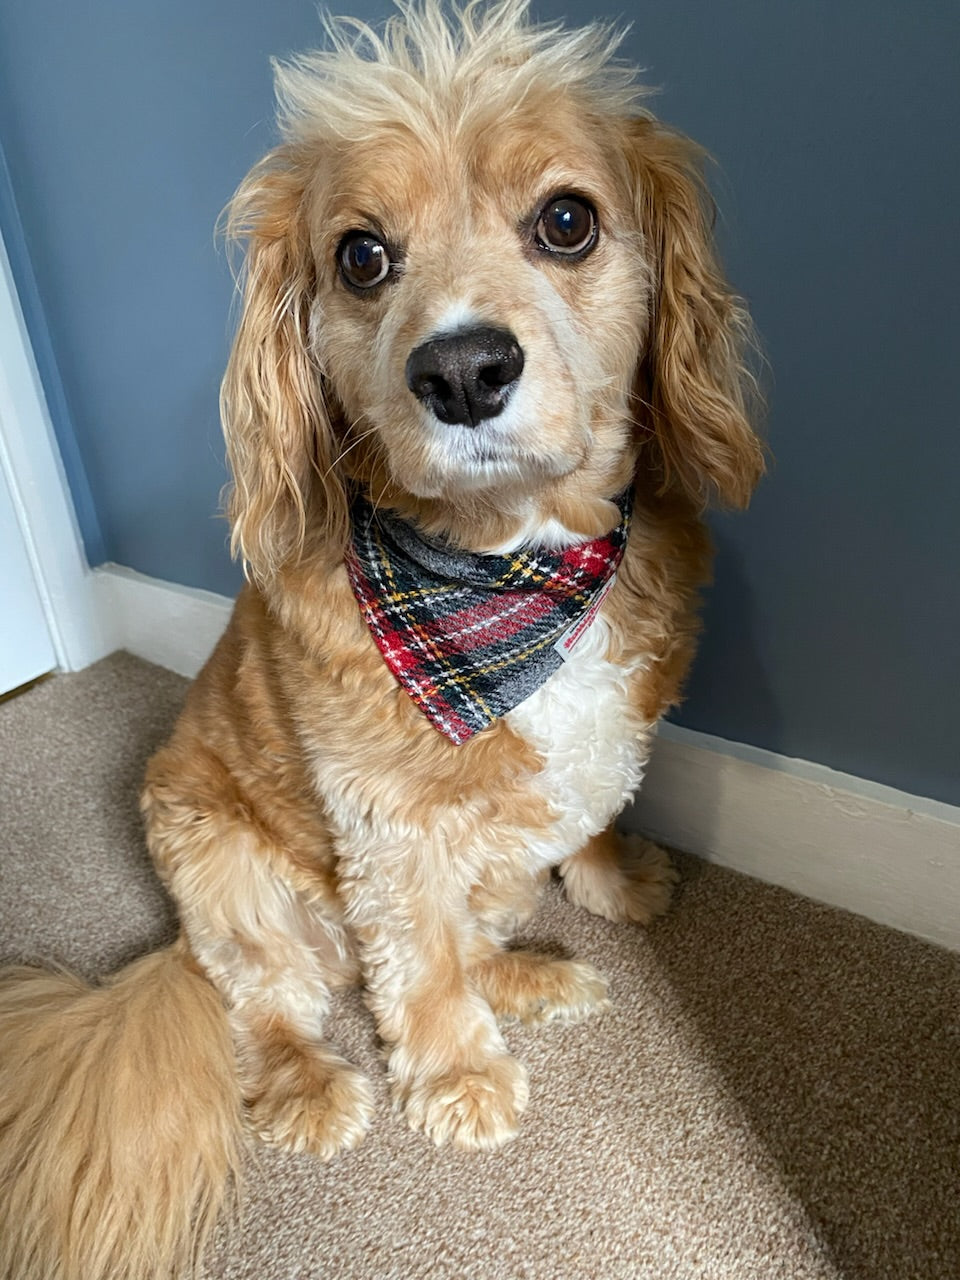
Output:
(692, 379)
(280, 442)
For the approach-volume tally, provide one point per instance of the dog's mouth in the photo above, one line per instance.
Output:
(498, 454)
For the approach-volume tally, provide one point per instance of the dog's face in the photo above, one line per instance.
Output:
(480, 286)
(482, 294)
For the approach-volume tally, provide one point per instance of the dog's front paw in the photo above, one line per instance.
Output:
(475, 1109)
(537, 988)
(318, 1111)
(622, 878)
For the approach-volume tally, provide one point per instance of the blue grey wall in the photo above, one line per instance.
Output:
(126, 126)
(832, 628)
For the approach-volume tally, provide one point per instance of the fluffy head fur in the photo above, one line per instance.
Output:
(310, 823)
(446, 136)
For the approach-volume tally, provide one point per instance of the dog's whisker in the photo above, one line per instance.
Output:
(380, 495)
(353, 444)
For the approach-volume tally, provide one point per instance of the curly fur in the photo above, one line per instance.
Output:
(312, 827)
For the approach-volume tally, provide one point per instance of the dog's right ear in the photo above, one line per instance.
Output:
(281, 446)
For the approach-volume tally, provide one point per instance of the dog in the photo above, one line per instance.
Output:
(486, 379)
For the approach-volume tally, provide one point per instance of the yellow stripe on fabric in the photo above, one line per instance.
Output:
(397, 595)
(520, 655)
(428, 644)
(454, 674)
(556, 586)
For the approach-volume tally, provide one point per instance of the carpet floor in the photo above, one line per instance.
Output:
(775, 1091)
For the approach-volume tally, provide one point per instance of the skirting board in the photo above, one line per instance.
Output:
(175, 627)
(892, 857)
(882, 853)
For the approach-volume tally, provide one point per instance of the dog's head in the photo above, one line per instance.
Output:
(479, 284)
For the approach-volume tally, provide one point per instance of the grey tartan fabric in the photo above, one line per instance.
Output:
(469, 636)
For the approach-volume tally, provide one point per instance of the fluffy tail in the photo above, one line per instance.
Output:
(120, 1121)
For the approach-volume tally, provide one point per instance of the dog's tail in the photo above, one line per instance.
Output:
(120, 1121)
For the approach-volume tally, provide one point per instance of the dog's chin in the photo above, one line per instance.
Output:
(491, 474)
(488, 459)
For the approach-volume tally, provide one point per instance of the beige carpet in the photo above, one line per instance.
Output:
(775, 1093)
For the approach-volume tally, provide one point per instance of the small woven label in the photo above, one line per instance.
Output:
(573, 635)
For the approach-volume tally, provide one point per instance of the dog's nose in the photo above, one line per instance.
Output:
(466, 376)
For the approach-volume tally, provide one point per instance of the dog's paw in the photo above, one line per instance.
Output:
(634, 886)
(323, 1112)
(476, 1110)
(536, 988)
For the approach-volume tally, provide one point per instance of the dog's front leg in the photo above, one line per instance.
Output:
(406, 896)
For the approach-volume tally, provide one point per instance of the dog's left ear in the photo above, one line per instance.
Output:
(692, 380)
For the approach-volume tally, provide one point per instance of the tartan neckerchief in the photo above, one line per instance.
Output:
(471, 636)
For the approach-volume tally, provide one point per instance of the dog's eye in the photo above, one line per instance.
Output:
(567, 225)
(363, 260)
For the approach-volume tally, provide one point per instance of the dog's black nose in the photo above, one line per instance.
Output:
(467, 376)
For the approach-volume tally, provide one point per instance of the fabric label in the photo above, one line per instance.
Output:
(575, 633)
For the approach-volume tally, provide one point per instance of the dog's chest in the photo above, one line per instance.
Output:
(593, 746)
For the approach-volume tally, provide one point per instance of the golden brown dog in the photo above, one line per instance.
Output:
(479, 290)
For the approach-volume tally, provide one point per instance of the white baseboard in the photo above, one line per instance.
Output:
(175, 627)
(882, 853)
(831, 836)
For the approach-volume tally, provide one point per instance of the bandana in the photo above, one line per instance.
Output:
(469, 636)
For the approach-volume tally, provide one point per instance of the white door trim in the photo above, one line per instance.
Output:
(31, 462)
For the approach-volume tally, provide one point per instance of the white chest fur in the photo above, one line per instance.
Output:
(593, 752)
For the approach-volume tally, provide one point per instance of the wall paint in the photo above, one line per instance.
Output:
(126, 127)
(831, 631)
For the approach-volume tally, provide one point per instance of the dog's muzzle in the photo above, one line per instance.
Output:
(466, 377)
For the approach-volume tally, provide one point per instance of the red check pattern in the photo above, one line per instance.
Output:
(469, 637)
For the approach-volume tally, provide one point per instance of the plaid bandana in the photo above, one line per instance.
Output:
(471, 636)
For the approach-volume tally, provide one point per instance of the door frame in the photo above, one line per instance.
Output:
(33, 468)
